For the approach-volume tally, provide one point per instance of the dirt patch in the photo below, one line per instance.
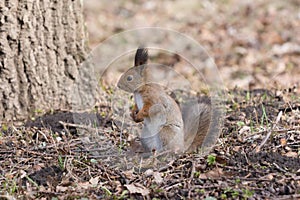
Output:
(81, 165)
(271, 161)
(53, 121)
(49, 176)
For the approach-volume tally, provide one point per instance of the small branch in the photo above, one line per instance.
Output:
(287, 197)
(192, 171)
(279, 168)
(78, 126)
(269, 133)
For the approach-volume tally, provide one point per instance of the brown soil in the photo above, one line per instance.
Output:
(69, 167)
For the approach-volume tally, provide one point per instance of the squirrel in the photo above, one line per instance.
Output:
(166, 126)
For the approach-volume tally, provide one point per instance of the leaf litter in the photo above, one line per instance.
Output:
(254, 46)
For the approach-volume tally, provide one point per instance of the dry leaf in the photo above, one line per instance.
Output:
(157, 177)
(244, 129)
(94, 181)
(286, 48)
(214, 173)
(283, 142)
(269, 176)
(137, 188)
(148, 172)
(129, 174)
(291, 154)
(236, 148)
(84, 185)
(61, 188)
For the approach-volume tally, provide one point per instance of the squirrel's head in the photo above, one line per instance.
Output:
(134, 77)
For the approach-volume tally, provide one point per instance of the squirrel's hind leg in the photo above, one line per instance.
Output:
(172, 137)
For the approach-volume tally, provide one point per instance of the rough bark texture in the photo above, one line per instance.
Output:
(42, 43)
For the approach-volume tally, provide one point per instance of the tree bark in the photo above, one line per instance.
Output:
(42, 43)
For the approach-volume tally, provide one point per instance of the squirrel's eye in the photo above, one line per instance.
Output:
(129, 78)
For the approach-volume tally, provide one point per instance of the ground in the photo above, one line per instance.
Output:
(256, 48)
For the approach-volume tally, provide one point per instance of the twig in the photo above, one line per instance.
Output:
(166, 166)
(279, 168)
(37, 136)
(91, 150)
(65, 128)
(193, 170)
(264, 131)
(78, 126)
(294, 128)
(42, 155)
(171, 186)
(269, 133)
(292, 196)
(54, 145)
(103, 156)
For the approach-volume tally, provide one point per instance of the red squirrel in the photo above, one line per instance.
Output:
(166, 127)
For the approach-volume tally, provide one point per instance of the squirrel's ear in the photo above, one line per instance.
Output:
(141, 56)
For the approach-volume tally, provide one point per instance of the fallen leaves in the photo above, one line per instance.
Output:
(286, 48)
(137, 188)
(254, 45)
(214, 173)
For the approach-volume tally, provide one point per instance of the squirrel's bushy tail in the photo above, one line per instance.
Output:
(197, 118)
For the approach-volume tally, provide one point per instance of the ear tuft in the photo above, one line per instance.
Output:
(141, 56)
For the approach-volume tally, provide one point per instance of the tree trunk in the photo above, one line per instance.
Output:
(42, 43)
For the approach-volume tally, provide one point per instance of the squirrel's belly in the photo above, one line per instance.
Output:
(138, 100)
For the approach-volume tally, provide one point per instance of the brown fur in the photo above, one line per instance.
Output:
(161, 114)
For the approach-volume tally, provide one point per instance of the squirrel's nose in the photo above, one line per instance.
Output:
(119, 84)
(122, 86)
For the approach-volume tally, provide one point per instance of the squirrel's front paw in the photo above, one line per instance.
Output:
(138, 119)
(134, 115)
